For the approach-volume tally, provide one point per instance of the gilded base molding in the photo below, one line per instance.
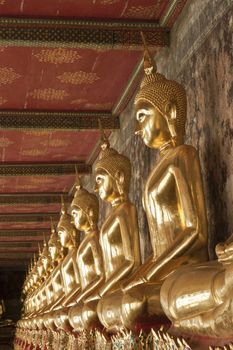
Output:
(124, 340)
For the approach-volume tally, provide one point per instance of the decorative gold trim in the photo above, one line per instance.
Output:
(43, 169)
(47, 120)
(80, 33)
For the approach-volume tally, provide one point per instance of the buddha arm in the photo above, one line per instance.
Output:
(97, 255)
(125, 225)
(188, 231)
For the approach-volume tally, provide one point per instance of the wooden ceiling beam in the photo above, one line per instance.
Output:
(53, 120)
(81, 33)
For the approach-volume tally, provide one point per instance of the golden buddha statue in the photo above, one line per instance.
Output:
(30, 287)
(85, 212)
(53, 282)
(67, 279)
(55, 247)
(41, 278)
(46, 261)
(35, 275)
(173, 195)
(198, 299)
(70, 241)
(40, 267)
(119, 238)
(66, 230)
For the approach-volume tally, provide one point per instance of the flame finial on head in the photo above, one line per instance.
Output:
(78, 184)
(104, 140)
(44, 241)
(149, 63)
(63, 206)
(39, 249)
(52, 225)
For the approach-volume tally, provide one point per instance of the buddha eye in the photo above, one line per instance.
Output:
(98, 180)
(140, 117)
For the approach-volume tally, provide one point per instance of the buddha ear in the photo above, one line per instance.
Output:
(90, 212)
(171, 111)
(90, 217)
(120, 179)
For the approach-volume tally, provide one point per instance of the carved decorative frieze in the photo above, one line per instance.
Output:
(57, 120)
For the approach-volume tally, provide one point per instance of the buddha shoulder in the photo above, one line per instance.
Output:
(185, 150)
(88, 241)
(126, 211)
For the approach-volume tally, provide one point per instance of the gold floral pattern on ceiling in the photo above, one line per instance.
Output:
(48, 94)
(27, 187)
(8, 75)
(56, 143)
(42, 180)
(32, 152)
(77, 78)
(105, 2)
(57, 56)
(2, 100)
(38, 133)
(78, 101)
(146, 12)
(103, 106)
(3, 182)
(5, 142)
(59, 156)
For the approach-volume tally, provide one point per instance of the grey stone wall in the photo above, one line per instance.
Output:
(201, 58)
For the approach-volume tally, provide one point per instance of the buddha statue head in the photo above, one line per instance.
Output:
(35, 275)
(54, 245)
(66, 230)
(112, 174)
(84, 208)
(46, 258)
(160, 107)
(40, 266)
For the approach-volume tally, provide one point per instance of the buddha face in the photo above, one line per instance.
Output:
(53, 250)
(81, 221)
(105, 185)
(64, 237)
(152, 125)
(45, 263)
(40, 268)
(35, 277)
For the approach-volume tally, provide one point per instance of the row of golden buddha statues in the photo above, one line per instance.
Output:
(99, 282)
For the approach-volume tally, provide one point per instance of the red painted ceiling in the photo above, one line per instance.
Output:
(30, 208)
(13, 184)
(63, 79)
(101, 9)
(46, 146)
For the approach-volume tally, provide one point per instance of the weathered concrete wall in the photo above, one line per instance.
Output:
(201, 58)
